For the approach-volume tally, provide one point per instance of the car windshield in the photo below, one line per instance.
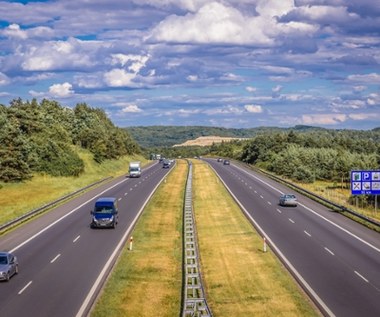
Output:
(290, 197)
(103, 209)
(3, 259)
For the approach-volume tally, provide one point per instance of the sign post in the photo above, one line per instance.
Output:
(366, 183)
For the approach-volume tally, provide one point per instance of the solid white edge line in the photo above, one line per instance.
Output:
(314, 212)
(107, 266)
(280, 254)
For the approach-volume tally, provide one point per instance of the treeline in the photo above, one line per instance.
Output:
(308, 156)
(43, 137)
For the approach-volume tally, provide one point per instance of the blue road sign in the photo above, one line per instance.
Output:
(365, 182)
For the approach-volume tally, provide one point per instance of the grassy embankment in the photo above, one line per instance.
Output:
(241, 279)
(19, 198)
(147, 281)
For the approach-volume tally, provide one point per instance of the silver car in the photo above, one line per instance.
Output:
(288, 200)
(8, 265)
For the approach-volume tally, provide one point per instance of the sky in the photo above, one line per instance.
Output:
(222, 63)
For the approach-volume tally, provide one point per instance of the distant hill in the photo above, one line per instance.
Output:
(168, 136)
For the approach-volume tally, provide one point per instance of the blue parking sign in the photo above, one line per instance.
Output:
(365, 182)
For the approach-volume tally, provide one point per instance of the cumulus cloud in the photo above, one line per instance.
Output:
(219, 23)
(15, 31)
(131, 108)
(56, 55)
(61, 90)
(254, 108)
(119, 78)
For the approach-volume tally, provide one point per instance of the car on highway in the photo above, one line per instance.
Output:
(226, 162)
(288, 200)
(166, 164)
(219, 159)
(8, 265)
(105, 213)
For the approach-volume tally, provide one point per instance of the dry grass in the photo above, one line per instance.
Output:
(148, 280)
(241, 280)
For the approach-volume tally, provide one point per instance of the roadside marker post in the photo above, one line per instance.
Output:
(265, 245)
(130, 243)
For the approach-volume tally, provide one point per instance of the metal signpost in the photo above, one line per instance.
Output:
(366, 183)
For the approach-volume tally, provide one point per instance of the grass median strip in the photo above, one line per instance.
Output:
(241, 280)
(147, 281)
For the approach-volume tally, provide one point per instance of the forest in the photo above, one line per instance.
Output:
(309, 155)
(45, 138)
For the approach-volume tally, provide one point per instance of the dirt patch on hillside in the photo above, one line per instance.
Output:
(206, 141)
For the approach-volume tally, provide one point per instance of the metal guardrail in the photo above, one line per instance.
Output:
(43, 208)
(194, 302)
(340, 208)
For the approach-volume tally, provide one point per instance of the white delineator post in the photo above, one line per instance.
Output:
(130, 243)
(265, 245)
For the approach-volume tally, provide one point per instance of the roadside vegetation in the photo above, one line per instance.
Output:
(147, 281)
(45, 138)
(241, 280)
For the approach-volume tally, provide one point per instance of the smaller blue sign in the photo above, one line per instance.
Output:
(365, 182)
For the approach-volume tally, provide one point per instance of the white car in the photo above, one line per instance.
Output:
(8, 265)
(288, 200)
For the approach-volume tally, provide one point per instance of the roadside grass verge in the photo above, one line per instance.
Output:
(147, 281)
(241, 280)
(18, 198)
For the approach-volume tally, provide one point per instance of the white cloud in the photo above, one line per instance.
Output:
(324, 119)
(61, 90)
(213, 23)
(225, 110)
(277, 89)
(366, 78)
(4, 79)
(119, 78)
(250, 89)
(131, 108)
(192, 78)
(134, 62)
(15, 31)
(254, 108)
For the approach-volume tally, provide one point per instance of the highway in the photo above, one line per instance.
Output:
(62, 261)
(336, 261)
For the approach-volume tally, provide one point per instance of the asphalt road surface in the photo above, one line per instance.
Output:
(62, 261)
(336, 260)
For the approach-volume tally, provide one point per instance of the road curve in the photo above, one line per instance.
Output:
(336, 260)
(63, 262)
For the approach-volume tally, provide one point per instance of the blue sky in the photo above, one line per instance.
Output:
(225, 63)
